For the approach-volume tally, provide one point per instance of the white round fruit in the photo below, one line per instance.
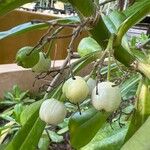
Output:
(52, 111)
(43, 64)
(108, 97)
(91, 84)
(76, 90)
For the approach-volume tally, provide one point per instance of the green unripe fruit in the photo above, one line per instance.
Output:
(43, 64)
(76, 90)
(26, 58)
(88, 45)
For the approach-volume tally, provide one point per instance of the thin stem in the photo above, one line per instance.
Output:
(109, 67)
(56, 78)
(119, 67)
(48, 134)
(55, 23)
(49, 48)
(110, 50)
(79, 108)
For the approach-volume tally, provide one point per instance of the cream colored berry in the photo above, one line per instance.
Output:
(108, 97)
(76, 90)
(52, 111)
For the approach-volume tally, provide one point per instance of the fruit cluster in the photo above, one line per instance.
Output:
(105, 96)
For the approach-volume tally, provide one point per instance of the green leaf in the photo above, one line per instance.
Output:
(88, 45)
(16, 91)
(29, 135)
(23, 28)
(107, 138)
(82, 62)
(117, 17)
(140, 140)
(83, 127)
(29, 111)
(55, 137)
(2, 146)
(142, 110)
(101, 37)
(129, 85)
(87, 5)
(135, 7)
(20, 29)
(132, 20)
(44, 142)
(17, 112)
(9, 96)
(9, 5)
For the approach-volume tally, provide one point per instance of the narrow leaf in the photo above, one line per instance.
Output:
(9, 5)
(29, 135)
(84, 127)
(23, 28)
(140, 140)
(142, 110)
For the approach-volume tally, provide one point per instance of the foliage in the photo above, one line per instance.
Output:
(115, 62)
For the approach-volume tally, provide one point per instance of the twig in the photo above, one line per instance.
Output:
(41, 39)
(55, 23)
(59, 37)
(56, 78)
(119, 112)
(99, 65)
(75, 33)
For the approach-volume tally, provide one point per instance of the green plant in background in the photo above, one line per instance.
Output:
(11, 106)
(115, 59)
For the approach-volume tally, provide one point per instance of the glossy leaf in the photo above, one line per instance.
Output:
(83, 127)
(86, 8)
(108, 138)
(29, 110)
(88, 45)
(135, 8)
(129, 85)
(29, 135)
(101, 37)
(113, 21)
(55, 137)
(132, 20)
(23, 28)
(44, 142)
(142, 110)
(140, 140)
(9, 5)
